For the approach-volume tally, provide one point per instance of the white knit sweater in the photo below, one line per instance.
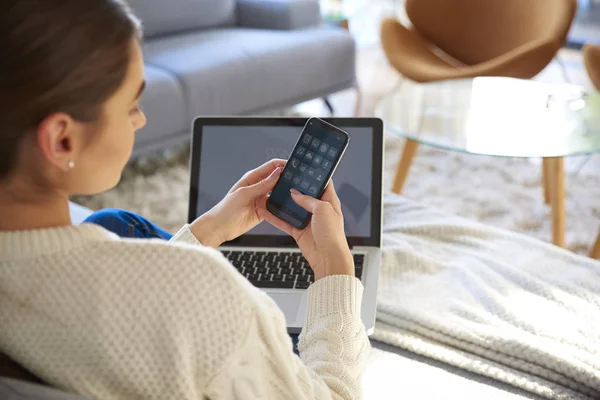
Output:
(115, 318)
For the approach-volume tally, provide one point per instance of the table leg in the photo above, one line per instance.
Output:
(410, 149)
(557, 195)
(595, 253)
(547, 180)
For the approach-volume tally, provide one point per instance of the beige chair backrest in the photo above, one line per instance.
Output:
(591, 58)
(475, 31)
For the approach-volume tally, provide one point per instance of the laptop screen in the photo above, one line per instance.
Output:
(226, 152)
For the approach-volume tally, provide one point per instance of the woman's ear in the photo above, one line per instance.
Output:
(57, 138)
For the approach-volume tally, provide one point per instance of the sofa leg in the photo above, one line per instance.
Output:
(358, 103)
(329, 106)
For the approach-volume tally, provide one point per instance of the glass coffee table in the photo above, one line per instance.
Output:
(502, 117)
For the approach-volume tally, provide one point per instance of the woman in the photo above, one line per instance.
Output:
(115, 318)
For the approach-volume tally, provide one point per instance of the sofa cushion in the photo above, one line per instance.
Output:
(282, 14)
(162, 17)
(241, 71)
(163, 102)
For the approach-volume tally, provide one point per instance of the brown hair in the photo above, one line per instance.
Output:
(58, 56)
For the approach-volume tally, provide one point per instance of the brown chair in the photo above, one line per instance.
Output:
(591, 59)
(452, 39)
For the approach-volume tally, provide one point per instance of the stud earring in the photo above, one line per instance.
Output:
(71, 164)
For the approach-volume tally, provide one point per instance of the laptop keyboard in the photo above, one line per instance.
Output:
(279, 270)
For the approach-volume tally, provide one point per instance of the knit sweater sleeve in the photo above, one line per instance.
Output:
(333, 349)
(333, 345)
(185, 235)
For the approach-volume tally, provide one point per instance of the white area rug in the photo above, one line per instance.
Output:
(505, 193)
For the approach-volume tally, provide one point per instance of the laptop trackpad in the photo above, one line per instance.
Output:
(289, 303)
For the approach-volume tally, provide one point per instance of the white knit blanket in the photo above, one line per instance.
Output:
(490, 301)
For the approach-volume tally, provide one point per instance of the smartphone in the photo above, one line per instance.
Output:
(310, 166)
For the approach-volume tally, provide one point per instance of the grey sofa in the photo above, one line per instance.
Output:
(234, 57)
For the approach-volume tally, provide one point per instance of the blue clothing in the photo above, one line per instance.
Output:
(129, 225)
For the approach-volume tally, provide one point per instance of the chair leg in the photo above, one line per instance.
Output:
(595, 252)
(547, 180)
(358, 103)
(557, 194)
(410, 149)
(329, 105)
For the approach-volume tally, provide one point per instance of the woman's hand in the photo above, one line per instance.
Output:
(242, 207)
(323, 241)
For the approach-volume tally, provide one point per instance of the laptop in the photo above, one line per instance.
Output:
(223, 149)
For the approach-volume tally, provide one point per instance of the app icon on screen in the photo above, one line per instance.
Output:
(332, 152)
(318, 160)
(295, 163)
(306, 139)
(309, 156)
(301, 150)
(303, 167)
(304, 185)
(288, 175)
(320, 175)
(311, 172)
(315, 143)
(324, 147)
(313, 190)
(327, 164)
(297, 179)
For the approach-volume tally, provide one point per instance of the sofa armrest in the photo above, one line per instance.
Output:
(278, 14)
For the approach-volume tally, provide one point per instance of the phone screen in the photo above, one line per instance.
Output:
(309, 168)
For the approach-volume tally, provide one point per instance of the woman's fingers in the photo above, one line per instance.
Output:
(261, 203)
(262, 187)
(283, 226)
(257, 175)
(309, 203)
(330, 196)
